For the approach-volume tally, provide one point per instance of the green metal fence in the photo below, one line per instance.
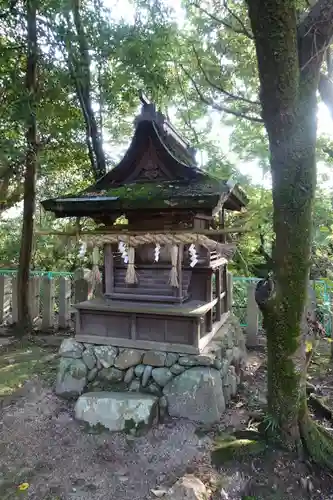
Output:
(323, 290)
(50, 274)
(324, 295)
(239, 292)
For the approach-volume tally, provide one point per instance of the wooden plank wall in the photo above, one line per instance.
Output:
(51, 301)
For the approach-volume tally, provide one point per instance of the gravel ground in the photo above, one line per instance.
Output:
(42, 444)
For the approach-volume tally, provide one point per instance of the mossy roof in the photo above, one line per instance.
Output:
(148, 191)
(204, 194)
(122, 189)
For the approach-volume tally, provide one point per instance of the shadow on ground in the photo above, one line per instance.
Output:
(41, 444)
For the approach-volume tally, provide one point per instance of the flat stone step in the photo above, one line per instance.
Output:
(117, 411)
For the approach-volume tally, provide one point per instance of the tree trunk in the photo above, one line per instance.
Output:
(289, 69)
(293, 166)
(82, 76)
(30, 171)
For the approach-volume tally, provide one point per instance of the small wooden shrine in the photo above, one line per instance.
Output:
(165, 271)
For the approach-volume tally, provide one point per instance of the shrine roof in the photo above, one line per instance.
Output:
(158, 171)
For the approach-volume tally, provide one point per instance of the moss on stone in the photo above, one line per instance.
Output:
(136, 428)
(108, 386)
(94, 429)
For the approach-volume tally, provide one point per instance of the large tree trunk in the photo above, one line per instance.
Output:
(289, 60)
(293, 167)
(30, 171)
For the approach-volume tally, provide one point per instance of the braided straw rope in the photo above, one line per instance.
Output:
(223, 249)
(168, 239)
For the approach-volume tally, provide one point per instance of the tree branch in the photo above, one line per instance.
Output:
(244, 30)
(217, 87)
(188, 122)
(216, 106)
(315, 33)
(83, 67)
(218, 20)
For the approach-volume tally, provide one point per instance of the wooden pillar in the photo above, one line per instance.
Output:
(218, 281)
(4, 297)
(225, 288)
(81, 287)
(229, 291)
(180, 271)
(222, 237)
(48, 303)
(65, 288)
(252, 317)
(34, 297)
(209, 298)
(108, 269)
(311, 302)
(14, 300)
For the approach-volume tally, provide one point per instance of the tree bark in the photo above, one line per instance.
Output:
(83, 87)
(30, 170)
(289, 59)
(293, 167)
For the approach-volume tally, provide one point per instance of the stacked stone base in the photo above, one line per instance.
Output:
(197, 387)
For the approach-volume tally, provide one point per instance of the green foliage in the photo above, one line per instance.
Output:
(197, 71)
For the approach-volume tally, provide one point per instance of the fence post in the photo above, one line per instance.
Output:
(34, 297)
(48, 303)
(4, 297)
(64, 302)
(311, 303)
(229, 291)
(252, 317)
(14, 300)
(81, 287)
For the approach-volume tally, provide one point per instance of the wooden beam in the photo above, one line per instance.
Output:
(210, 335)
(180, 271)
(108, 269)
(209, 299)
(120, 230)
(191, 308)
(221, 221)
(218, 281)
(138, 344)
(225, 288)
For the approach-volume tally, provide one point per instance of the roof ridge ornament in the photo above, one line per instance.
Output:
(149, 113)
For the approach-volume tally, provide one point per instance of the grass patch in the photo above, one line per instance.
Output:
(21, 361)
(230, 447)
(10, 481)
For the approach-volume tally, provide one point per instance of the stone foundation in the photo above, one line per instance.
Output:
(193, 386)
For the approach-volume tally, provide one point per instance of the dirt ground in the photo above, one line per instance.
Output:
(42, 445)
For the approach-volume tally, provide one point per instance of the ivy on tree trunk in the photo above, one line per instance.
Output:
(31, 160)
(289, 60)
